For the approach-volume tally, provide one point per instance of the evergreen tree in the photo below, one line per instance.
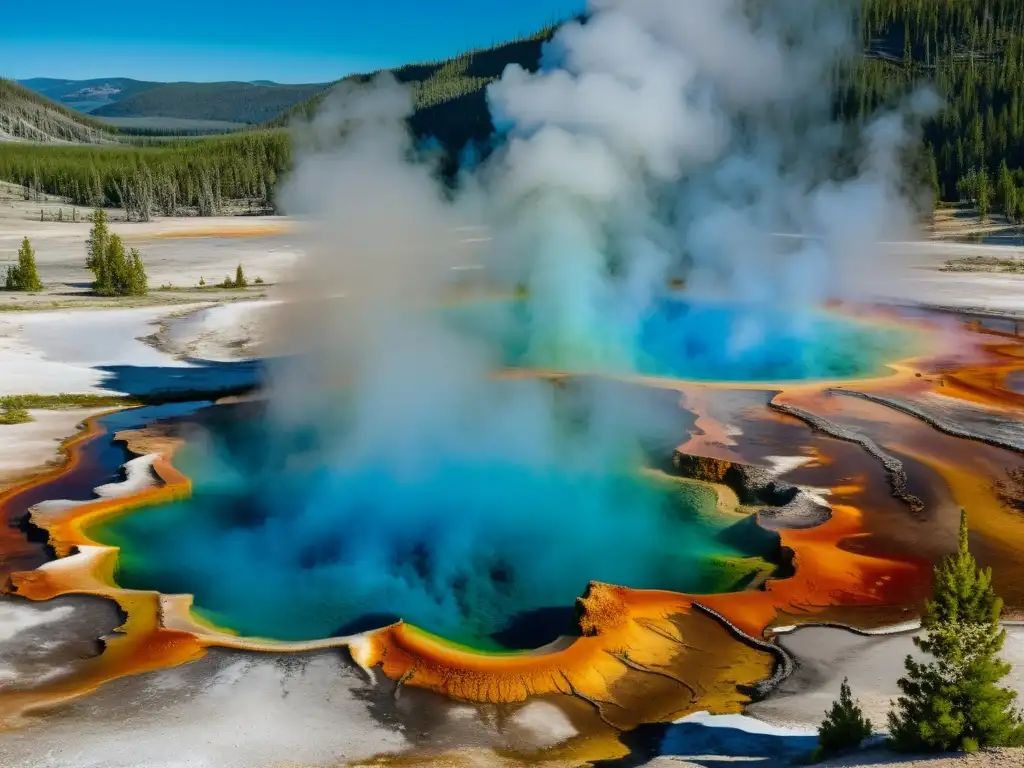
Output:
(931, 175)
(1007, 191)
(967, 187)
(984, 193)
(844, 726)
(99, 235)
(117, 267)
(27, 273)
(116, 273)
(240, 279)
(24, 276)
(954, 702)
(138, 284)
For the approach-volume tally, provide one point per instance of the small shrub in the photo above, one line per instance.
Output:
(14, 416)
(202, 283)
(258, 281)
(844, 727)
(24, 276)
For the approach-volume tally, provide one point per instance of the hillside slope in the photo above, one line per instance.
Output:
(86, 95)
(27, 116)
(228, 102)
(451, 103)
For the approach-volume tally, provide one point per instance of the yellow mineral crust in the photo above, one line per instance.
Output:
(645, 656)
(642, 656)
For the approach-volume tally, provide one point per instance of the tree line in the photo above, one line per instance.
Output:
(970, 51)
(169, 178)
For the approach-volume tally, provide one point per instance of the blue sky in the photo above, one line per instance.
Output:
(289, 41)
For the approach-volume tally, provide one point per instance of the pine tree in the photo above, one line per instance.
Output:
(138, 284)
(240, 280)
(1007, 191)
(117, 268)
(967, 187)
(844, 726)
(102, 284)
(984, 192)
(28, 274)
(24, 276)
(96, 245)
(953, 702)
(931, 175)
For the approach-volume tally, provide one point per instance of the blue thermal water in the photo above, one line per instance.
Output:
(488, 555)
(700, 341)
(477, 517)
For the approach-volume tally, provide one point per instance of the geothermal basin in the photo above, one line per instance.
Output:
(290, 533)
(558, 532)
(683, 338)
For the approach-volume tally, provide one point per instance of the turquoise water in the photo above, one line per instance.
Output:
(488, 555)
(696, 341)
(481, 515)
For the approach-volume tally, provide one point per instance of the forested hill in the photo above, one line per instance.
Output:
(970, 51)
(973, 52)
(450, 99)
(27, 116)
(86, 95)
(228, 102)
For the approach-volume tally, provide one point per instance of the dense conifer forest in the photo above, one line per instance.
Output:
(970, 51)
(168, 178)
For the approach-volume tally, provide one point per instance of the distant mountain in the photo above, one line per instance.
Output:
(449, 96)
(228, 102)
(123, 97)
(27, 116)
(86, 95)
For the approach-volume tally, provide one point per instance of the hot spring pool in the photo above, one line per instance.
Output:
(487, 546)
(491, 557)
(697, 341)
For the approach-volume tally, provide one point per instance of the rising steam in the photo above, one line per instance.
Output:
(660, 139)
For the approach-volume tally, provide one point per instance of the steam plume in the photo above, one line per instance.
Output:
(659, 139)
